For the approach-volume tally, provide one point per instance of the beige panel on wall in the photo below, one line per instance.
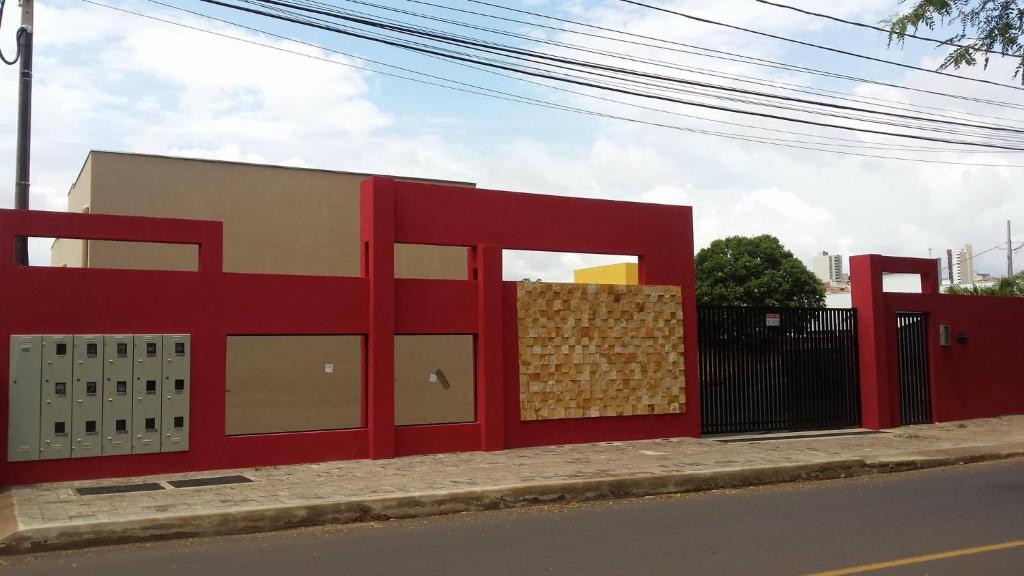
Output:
(293, 383)
(588, 350)
(143, 255)
(434, 380)
(432, 262)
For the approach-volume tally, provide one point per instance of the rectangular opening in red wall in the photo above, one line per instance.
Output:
(904, 283)
(110, 254)
(540, 266)
(431, 262)
(39, 251)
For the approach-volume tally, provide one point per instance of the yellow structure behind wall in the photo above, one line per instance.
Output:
(622, 273)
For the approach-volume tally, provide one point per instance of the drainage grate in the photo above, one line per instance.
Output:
(118, 489)
(211, 481)
(798, 436)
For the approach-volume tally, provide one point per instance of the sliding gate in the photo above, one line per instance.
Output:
(766, 369)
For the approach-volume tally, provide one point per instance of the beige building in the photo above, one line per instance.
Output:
(279, 220)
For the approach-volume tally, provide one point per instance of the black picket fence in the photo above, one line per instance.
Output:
(771, 369)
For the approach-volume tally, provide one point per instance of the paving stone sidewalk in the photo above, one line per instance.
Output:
(56, 515)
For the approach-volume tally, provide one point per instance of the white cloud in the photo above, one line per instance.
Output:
(776, 204)
(666, 194)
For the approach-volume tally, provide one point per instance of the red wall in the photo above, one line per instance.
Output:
(983, 376)
(979, 378)
(211, 304)
(975, 379)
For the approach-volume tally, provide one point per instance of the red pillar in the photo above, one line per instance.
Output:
(489, 370)
(674, 265)
(377, 230)
(879, 393)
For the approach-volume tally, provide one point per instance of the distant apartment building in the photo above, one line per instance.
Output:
(828, 268)
(962, 266)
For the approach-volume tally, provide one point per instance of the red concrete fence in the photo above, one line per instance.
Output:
(977, 375)
(211, 304)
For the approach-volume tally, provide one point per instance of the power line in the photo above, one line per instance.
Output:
(523, 100)
(513, 98)
(631, 104)
(281, 15)
(473, 43)
(531, 56)
(973, 256)
(461, 56)
(17, 39)
(671, 65)
(818, 46)
(886, 30)
(716, 54)
(999, 246)
(860, 144)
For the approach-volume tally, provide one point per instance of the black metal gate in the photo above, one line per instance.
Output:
(765, 369)
(915, 399)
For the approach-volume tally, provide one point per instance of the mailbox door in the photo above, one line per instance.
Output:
(87, 397)
(177, 362)
(55, 409)
(25, 387)
(146, 393)
(117, 394)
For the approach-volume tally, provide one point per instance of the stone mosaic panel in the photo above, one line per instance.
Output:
(588, 350)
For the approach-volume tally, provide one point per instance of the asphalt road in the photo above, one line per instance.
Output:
(790, 529)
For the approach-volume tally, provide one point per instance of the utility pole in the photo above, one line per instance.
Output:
(1009, 252)
(23, 161)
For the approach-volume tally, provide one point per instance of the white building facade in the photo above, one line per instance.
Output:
(828, 268)
(963, 265)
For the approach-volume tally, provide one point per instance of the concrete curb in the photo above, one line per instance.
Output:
(945, 457)
(415, 505)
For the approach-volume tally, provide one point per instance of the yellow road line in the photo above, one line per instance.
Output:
(919, 559)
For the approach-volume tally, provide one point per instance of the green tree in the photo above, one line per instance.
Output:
(1010, 286)
(757, 271)
(986, 28)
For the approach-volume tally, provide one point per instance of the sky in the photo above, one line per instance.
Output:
(106, 80)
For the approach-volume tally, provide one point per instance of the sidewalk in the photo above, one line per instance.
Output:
(49, 516)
